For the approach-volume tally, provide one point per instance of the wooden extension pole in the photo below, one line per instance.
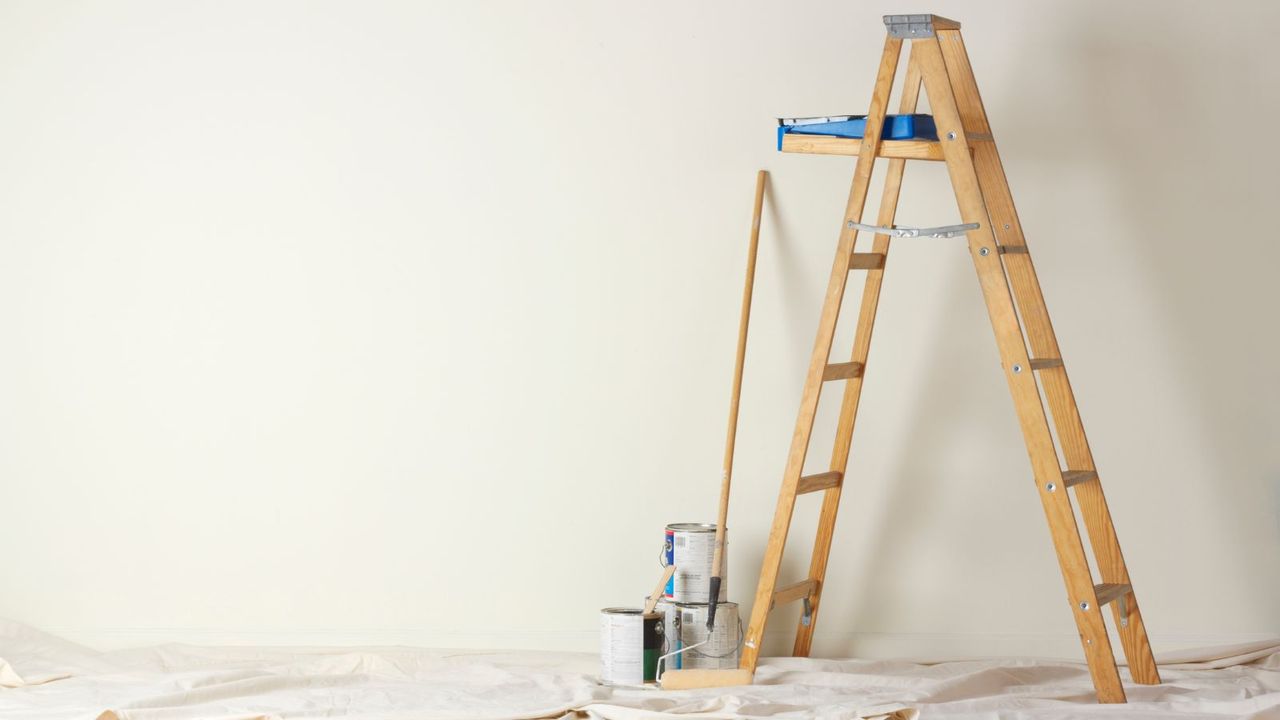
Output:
(717, 561)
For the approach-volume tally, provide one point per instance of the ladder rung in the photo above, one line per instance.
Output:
(821, 481)
(1013, 250)
(793, 592)
(842, 371)
(1045, 363)
(1110, 592)
(1075, 477)
(866, 261)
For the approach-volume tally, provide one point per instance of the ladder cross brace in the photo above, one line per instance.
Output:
(944, 231)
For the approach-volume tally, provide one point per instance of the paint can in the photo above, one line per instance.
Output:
(630, 644)
(689, 627)
(666, 609)
(691, 548)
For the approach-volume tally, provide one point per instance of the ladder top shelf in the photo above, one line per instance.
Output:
(911, 136)
(915, 149)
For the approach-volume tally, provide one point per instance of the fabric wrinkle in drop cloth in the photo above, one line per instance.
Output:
(43, 677)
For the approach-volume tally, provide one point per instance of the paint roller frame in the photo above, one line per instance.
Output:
(686, 679)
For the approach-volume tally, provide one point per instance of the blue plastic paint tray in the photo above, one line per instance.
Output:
(896, 127)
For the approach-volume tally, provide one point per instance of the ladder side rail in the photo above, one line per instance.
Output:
(853, 388)
(1040, 335)
(1022, 383)
(772, 561)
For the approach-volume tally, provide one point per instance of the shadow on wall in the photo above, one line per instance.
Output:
(1185, 179)
(789, 270)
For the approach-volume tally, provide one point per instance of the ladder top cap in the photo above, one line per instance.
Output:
(917, 26)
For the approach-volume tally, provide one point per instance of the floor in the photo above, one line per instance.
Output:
(43, 677)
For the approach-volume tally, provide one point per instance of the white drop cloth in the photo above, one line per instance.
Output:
(45, 678)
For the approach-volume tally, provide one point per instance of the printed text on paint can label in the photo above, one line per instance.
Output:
(692, 554)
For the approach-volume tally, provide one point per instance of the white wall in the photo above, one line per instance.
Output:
(406, 323)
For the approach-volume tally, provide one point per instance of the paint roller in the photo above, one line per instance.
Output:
(706, 678)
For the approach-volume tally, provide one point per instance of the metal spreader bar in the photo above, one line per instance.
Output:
(945, 231)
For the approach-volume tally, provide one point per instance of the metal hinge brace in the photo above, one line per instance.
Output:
(909, 26)
(946, 231)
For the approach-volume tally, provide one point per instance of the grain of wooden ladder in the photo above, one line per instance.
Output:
(1016, 307)
(821, 351)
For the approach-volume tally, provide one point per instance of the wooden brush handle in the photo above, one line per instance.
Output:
(726, 478)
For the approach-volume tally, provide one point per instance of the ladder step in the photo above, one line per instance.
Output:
(1075, 477)
(866, 261)
(842, 371)
(796, 591)
(821, 481)
(1045, 363)
(1110, 592)
(1013, 250)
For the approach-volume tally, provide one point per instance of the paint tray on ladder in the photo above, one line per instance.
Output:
(896, 127)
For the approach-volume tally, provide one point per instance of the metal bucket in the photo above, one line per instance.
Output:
(691, 548)
(689, 627)
(630, 644)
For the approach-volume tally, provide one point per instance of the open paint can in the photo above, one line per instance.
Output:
(630, 644)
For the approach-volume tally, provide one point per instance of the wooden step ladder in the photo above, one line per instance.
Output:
(1029, 352)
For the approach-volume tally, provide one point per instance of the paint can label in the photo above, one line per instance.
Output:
(668, 559)
(691, 548)
(630, 645)
(723, 645)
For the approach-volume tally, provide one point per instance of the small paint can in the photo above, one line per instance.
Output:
(689, 627)
(691, 548)
(630, 644)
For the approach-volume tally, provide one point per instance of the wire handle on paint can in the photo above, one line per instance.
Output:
(737, 647)
(679, 633)
(662, 660)
(664, 555)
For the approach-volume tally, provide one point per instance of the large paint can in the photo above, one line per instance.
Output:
(689, 627)
(630, 644)
(691, 548)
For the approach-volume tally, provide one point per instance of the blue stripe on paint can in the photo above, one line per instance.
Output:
(669, 559)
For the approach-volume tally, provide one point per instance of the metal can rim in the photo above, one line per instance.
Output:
(630, 611)
(693, 527)
(681, 604)
(622, 611)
